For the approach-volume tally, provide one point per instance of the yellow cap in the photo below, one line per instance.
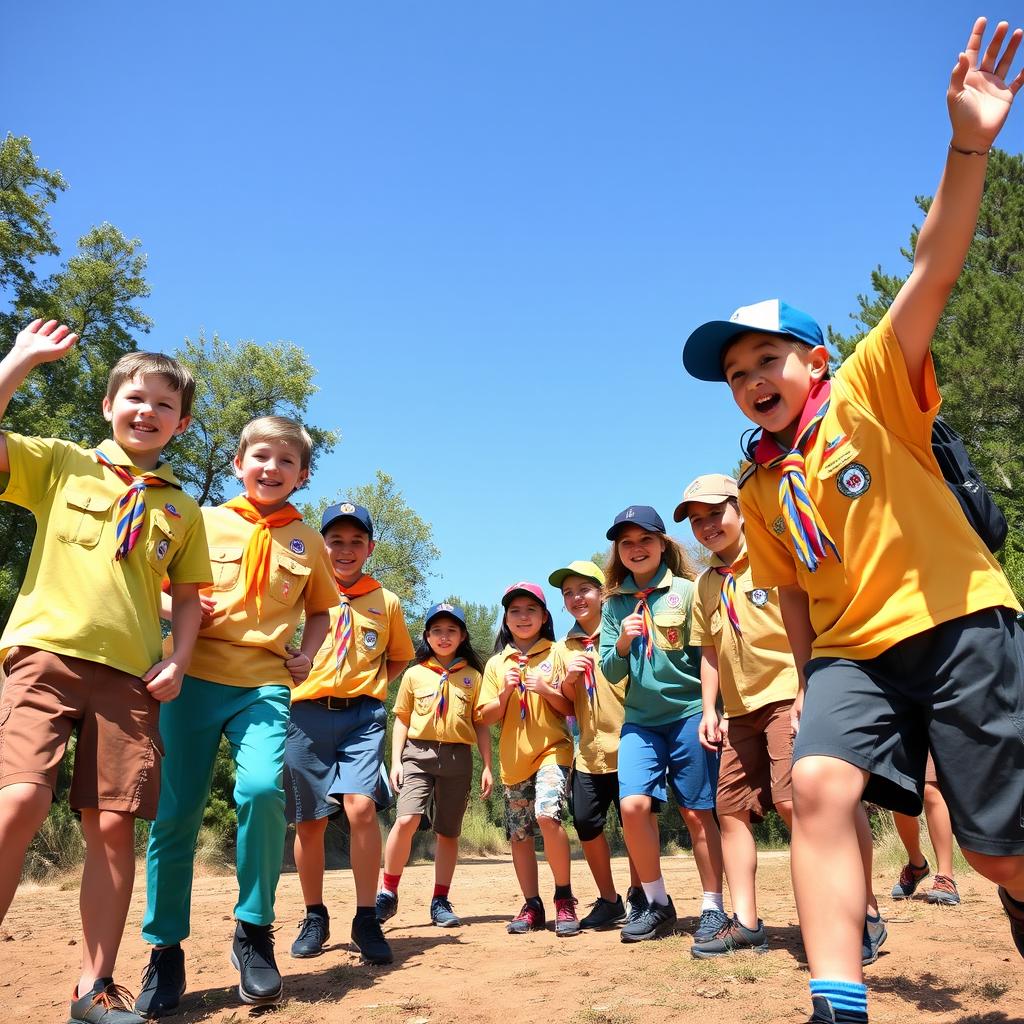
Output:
(588, 570)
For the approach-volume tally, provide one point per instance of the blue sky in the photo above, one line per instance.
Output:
(491, 226)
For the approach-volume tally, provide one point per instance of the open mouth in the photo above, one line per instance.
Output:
(144, 428)
(766, 403)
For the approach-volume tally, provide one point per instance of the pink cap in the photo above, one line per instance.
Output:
(522, 587)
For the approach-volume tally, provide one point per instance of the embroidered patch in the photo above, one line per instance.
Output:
(759, 598)
(673, 600)
(161, 549)
(831, 446)
(172, 511)
(779, 526)
(445, 607)
(467, 682)
(370, 638)
(296, 546)
(854, 480)
(629, 514)
(347, 508)
(545, 666)
(672, 635)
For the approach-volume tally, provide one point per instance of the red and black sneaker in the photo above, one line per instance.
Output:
(529, 919)
(566, 921)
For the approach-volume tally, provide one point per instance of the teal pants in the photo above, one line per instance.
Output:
(255, 721)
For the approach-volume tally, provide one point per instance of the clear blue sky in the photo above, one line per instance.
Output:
(491, 226)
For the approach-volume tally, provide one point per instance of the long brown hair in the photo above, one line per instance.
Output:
(674, 556)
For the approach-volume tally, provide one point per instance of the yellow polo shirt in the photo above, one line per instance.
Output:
(237, 648)
(417, 701)
(543, 738)
(756, 668)
(379, 635)
(600, 721)
(76, 600)
(910, 559)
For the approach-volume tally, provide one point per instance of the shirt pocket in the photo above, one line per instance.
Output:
(162, 543)
(715, 622)
(82, 511)
(287, 579)
(226, 564)
(670, 630)
(424, 699)
(373, 637)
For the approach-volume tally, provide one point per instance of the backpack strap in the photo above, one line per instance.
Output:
(747, 470)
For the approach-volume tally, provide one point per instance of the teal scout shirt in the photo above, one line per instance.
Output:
(667, 688)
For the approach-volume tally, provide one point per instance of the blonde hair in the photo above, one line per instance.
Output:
(276, 428)
(674, 557)
(142, 364)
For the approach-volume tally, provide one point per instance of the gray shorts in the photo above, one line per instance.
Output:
(436, 780)
(957, 688)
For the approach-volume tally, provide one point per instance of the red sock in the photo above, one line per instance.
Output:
(391, 882)
(441, 890)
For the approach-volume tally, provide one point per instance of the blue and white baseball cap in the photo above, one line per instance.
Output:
(444, 608)
(705, 347)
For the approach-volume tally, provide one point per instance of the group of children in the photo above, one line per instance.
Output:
(825, 615)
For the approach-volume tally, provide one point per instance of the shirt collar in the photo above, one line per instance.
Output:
(538, 648)
(660, 581)
(579, 633)
(741, 559)
(118, 457)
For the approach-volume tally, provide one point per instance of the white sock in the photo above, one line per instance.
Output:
(655, 891)
(712, 901)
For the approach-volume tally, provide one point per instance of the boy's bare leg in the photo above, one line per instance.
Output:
(364, 848)
(640, 829)
(707, 847)
(106, 891)
(398, 848)
(23, 809)
(309, 859)
(556, 848)
(940, 829)
(909, 830)
(830, 902)
(446, 854)
(1007, 871)
(524, 860)
(866, 840)
(739, 851)
(599, 860)
(784, 809)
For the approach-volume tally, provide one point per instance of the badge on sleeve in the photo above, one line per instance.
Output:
(779, 526)
(172, 511)
(673, 600)
(296, 546)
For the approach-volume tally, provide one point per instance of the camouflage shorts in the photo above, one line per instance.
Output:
(542, 795)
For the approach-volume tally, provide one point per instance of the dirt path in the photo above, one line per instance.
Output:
(939, 965)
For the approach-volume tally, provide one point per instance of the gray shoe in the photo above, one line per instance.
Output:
(104, 1003)
(874, 937)
(656, 921)
(712, 921)
(163, 982)
(731, 938)
(441, 913)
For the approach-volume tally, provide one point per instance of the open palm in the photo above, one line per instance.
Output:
(43, 343)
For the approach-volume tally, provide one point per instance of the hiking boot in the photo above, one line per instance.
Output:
(874, 937)
(636, 899)
(604, 913)
(104, 1003)
(655, 922)
(712, 921)
(731, 938)
(369, 939)
(529, 919)
(252, 955)
(441, 913)
(943, 892)
(910, 878)
(826, 1013)
(163, 982)
(1015, 912)
(387, 905)
(314, 931)
(566, 921)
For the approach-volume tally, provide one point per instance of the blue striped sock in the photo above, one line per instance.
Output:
(847, 998)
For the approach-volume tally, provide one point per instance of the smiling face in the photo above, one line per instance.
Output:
(444, 634)
(640, 552)
(524, 618)
(771, 377)
(348, 548)
(270, 471)
(144, 414)
(718, 527)
(582, 598)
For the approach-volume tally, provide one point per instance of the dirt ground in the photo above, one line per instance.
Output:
(939, 965)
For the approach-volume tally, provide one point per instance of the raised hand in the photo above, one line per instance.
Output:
(980, 96)
(43, 342)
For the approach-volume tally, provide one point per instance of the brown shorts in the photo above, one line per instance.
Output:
(436, 780)
(117, 758)
(757, 760)
(929, 771)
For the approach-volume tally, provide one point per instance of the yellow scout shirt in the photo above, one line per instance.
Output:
(910, 560)
(599, 721)
(379, 635)
(543, 738)
(756, 668)
(416, 704)
(76, 600)
(237, 648)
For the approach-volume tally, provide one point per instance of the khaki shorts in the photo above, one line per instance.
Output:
(436, 780)
(757, 760)
(117, 759)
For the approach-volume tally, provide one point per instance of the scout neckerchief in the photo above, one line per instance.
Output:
(343, 629)
(442, 684)
(256, 559)
(523, 661)
(807, 529)
(644, 610)
(131, 507)
(589, 675)
(729, 595)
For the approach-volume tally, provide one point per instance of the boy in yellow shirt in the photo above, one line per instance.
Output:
(334, 758)
(269, 570)
(898, 616)
(81, 650)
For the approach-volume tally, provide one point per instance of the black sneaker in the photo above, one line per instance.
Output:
(314, 931)
(163, 982)
(604, 913)
(104, 1003)
(657, 921)
(731, 938)
(387, 905)
(636, 901)
(369, 939)
(1015, 912)
(826, 1013)
(252, 955)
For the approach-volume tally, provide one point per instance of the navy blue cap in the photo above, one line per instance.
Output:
(705, 347)
(444, 608)
(346, 510)
(637, 515)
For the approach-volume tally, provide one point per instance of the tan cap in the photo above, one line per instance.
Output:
(712, 488)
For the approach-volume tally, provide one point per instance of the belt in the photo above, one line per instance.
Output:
(338, 703)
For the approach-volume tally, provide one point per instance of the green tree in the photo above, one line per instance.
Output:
(979, 343)
(234, 384)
